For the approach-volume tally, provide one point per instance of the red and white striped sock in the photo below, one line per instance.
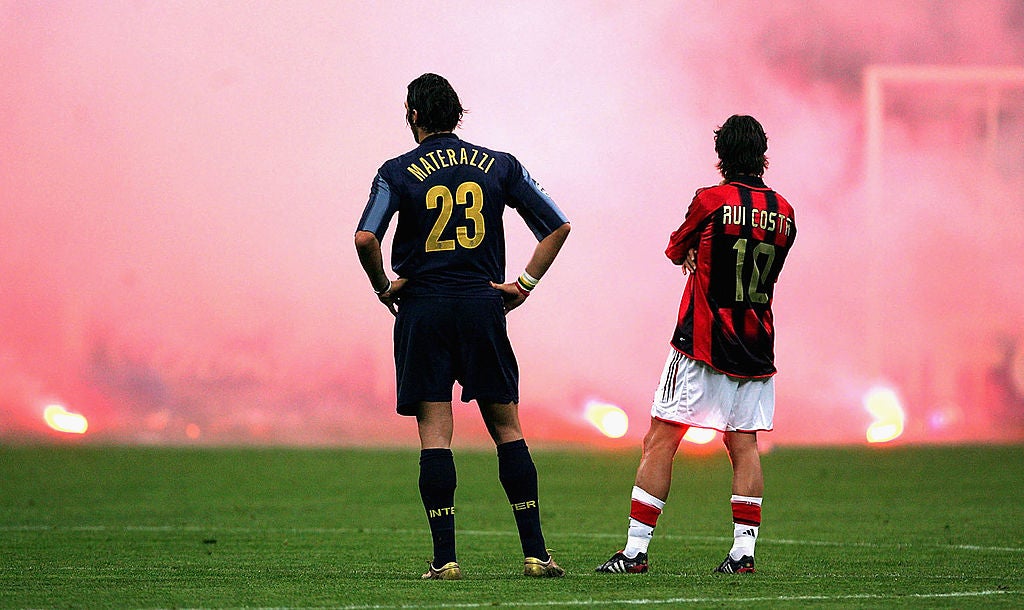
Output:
(644, 511)
(746, 519)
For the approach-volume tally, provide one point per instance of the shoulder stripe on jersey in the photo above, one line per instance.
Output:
(540, 221)
(747, 201)
(771, 202)
(377, 209)
(738, 314)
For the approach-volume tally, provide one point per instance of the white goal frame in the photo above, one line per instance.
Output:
(874, 79)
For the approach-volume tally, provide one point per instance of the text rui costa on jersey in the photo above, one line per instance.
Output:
(762, 219)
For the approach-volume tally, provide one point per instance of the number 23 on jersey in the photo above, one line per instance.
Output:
(470, 199)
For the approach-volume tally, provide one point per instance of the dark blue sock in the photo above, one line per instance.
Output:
(437, 489)
(518, 475)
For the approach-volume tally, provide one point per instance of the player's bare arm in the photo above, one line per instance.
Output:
(368, 248)
(543, 256)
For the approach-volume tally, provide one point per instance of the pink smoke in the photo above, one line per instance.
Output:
(180, 184)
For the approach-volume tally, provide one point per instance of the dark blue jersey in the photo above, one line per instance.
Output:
(450, 197)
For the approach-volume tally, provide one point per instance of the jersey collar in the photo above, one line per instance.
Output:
(443, 134)
(751, 181)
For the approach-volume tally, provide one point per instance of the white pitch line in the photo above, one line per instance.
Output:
(348, 531)
(657, 602)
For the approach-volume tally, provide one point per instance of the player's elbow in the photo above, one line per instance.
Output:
(365, 240)
(677, 256)
(556, 238)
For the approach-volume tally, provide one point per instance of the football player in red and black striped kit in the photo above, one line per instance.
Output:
(720, 370)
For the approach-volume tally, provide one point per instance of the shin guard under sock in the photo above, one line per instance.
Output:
(746, 518)
(437, 490)
(644, 511)
(518, 475)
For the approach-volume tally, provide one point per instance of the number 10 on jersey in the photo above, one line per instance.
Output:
(763, 253)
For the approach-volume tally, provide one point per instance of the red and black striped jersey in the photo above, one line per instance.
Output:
(742, 231)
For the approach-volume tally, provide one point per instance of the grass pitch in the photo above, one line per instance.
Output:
(95, 527)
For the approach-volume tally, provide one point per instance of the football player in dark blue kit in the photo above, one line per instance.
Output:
(450, 299)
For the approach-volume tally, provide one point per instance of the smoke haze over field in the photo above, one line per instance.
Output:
(179, 185)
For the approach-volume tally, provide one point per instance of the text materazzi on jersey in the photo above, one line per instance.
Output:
(448, 157)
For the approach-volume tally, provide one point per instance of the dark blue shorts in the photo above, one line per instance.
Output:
(441, 340)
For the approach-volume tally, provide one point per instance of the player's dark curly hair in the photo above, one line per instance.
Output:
(741, 144)
(436, 104)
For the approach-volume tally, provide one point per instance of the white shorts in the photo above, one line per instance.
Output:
(694, 394)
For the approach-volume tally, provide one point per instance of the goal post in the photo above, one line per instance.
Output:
(876, 77)
(878, 81)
